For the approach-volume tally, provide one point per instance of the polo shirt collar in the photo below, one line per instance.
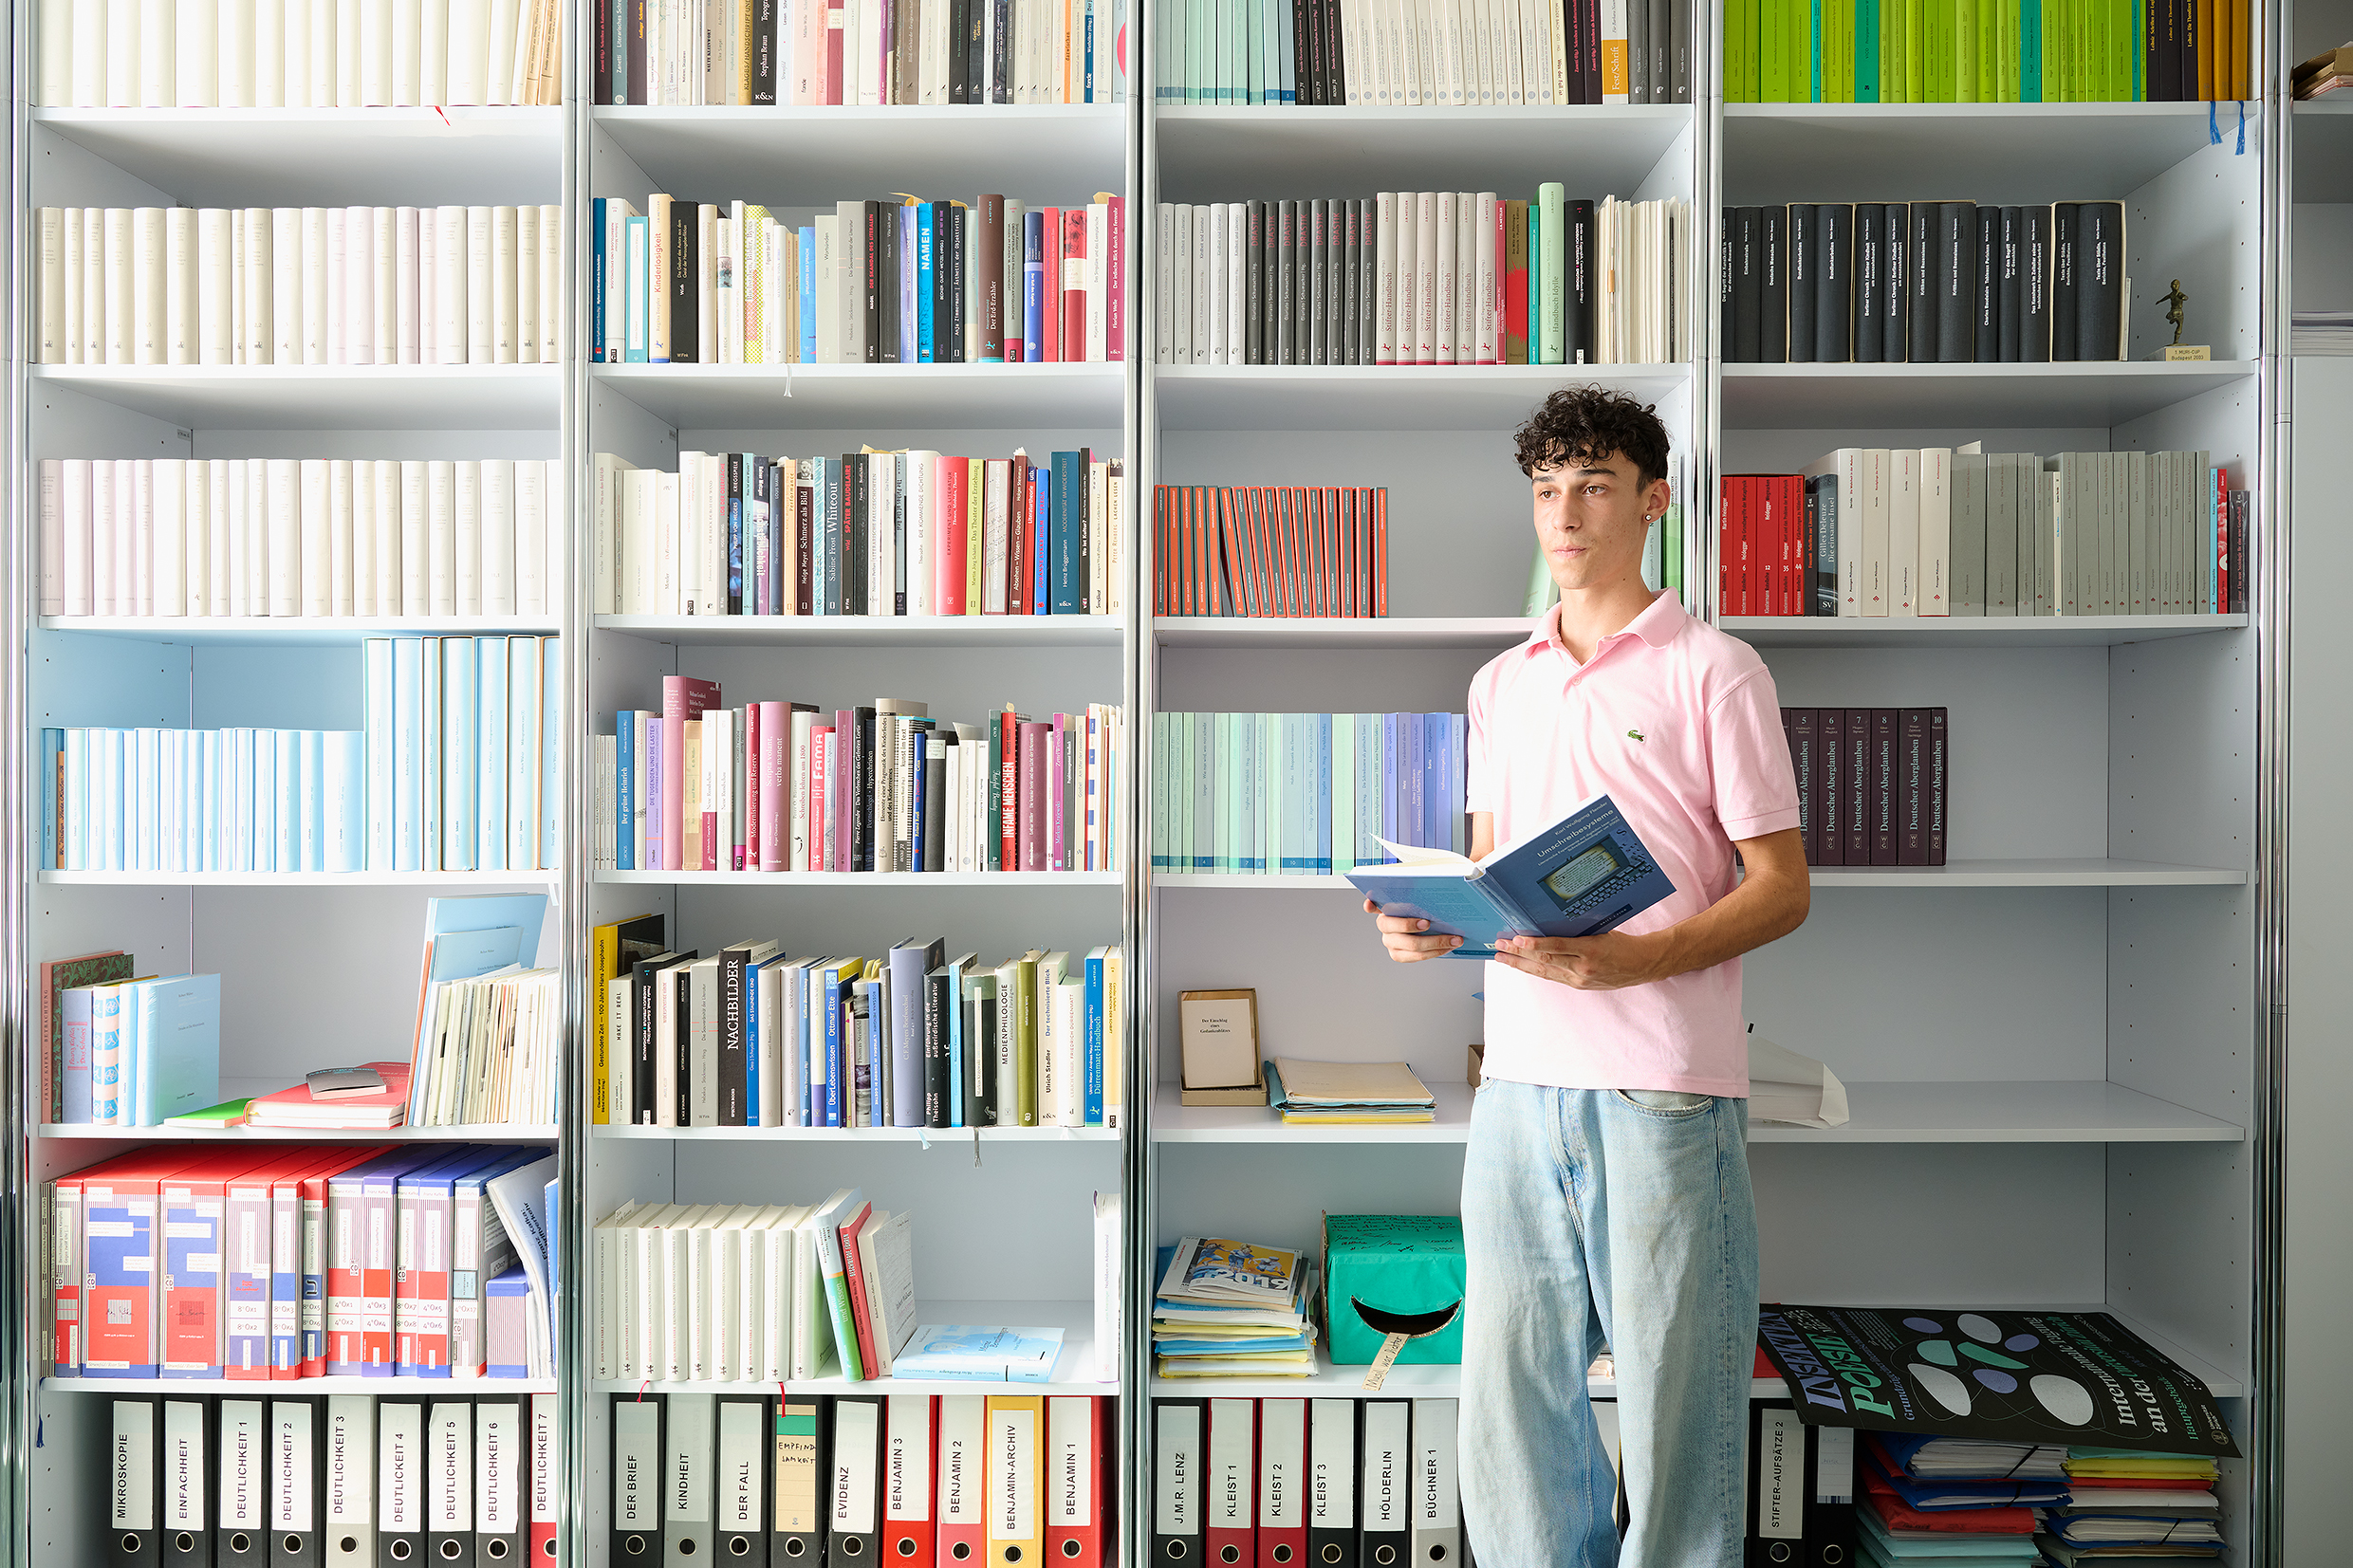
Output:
(1658, 625)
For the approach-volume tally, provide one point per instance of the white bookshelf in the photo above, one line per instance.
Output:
(1003, 1230)
(317, 968)
(2050, 1043)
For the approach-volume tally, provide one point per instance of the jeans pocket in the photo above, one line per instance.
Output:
(1665, 1103)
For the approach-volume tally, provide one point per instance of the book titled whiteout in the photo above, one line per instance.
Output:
(1586, 871)
(980, 1354)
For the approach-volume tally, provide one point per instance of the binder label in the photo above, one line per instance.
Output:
(291, 1464)
(637, 1431)
(907, 1458)
(1070, 1481)
(241, 1465)
(497, 1444)
(131, 1487)
(402, 1439)
(449, 1501)
(1013, 1506)
(348, 1417)
(1780, 1476)
(853, 1482)
(183, 1465)
(739, 1467)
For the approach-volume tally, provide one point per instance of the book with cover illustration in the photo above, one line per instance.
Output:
(1588, 871)
(979, 1354)
(1222, 1270)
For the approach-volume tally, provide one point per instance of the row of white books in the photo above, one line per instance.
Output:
(253, 536)
(299, 54)
(488, 1052)
(299, 286)
(691, 1293)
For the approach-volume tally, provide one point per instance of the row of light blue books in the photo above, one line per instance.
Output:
(138, 1051)
(1303, 794)
(201, 800)
(463, 763)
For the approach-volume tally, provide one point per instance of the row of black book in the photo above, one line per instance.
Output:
(1923, 282)
(1872, 783)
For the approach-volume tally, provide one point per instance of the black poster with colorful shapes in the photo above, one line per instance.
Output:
(2015, 1377)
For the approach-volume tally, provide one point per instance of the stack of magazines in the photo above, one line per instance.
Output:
(1347, 1092)
(1233, 1309)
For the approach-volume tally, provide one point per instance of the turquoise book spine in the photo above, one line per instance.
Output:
(1553, 295)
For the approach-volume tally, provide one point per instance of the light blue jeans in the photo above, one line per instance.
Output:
(1599, 1217)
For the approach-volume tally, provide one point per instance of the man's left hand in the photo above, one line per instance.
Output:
(1606, 961)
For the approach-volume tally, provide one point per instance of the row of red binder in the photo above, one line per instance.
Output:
(1270, 550)
(909, 1480)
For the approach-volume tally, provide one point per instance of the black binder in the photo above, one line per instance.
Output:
(856, 1449)
(501, 1459)
(1332, 1451)
(1780, 1486)
(801, 1460)
(740, 1506)
(184, 1467)
(297, 1483)
(241, 1493)
(133, 1451)
(399, 1481)
(1178, 1452)
(635, 1422)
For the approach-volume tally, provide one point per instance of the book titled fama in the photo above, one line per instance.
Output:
(1586, 871)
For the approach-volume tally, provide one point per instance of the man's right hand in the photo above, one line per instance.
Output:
(1410, 941)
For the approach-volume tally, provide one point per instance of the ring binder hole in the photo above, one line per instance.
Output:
(1383, 1555)
(452, 1551)
(1070, 1548)
(739, 1546)
(1438, 1553)
(686, 1548)
(292, 1545)
(1013, 1554)
(1333, 1552)
(401, 1549)
(239, 1544)
(633, 1546)
(961, 1550)
(548, 1548)
(495, 1550)
(1283, 1554)
(851, 1547)
(1176, 1551)
(183, 1542)
(794, 1546)
(1779, 1552)
(1832, 1555)
(130, 1544)
(1228, 1553)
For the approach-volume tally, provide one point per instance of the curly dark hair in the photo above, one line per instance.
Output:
(1587, 423)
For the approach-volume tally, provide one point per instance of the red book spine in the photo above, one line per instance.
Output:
(834, 18)
(856, 1272)
(1381, 551)
(1073, 294)
(775, 783)
(1008, 790)
(1501, 304)
(1727, 546)
(815, 784)
(1115, 269)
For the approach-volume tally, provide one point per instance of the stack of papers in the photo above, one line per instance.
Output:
(1233, 1309)
(1947, 1499)
(2321, 332)
(1353, 1093)
(1969, 1458)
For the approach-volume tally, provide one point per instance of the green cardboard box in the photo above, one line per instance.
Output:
(1398, 1268)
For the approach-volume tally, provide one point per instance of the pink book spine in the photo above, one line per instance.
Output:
(948, 549)
(1056, 848)
(1034, 774)
(821, 739)
(1115, 315)
(773, 727)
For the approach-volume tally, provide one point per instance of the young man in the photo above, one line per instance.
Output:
(1605, 1194)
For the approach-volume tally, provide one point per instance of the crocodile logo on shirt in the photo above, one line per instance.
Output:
(1637, 734)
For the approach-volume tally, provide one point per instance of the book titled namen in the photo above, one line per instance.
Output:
(1588, 871)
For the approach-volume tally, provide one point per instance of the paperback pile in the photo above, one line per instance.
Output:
(1270, 550)
(2324, 73)
(2321, 332)
(489, 1020)
(1351, 1093)
(1942, 1498)
(1233, 1309)
(2123, 1505)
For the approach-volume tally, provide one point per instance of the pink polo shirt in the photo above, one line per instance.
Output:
(1680, 726)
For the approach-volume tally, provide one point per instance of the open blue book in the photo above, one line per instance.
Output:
(1588, 871)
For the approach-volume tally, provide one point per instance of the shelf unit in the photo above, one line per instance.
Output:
(2065, 1050)
(2046, 1042)
(1006, 1210)
(316, 967)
